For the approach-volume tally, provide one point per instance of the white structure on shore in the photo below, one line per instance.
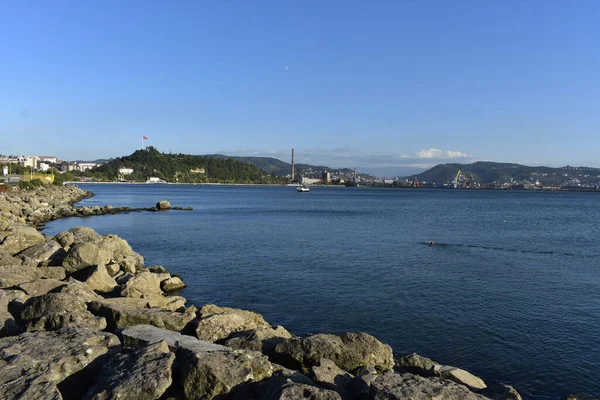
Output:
(125, 171)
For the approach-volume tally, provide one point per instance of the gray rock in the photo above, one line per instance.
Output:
(21, 238)
(113, 269)
(52, 357)
(144, 335)
(64, 238)
(57, 273)
(158, 269)
(163, 205)
(263, 340)
(393, 386)
(81, 255)
(349, 351)
(97, 250)
(53, 311)
(172, 284)
(82, 291)
(120, 315)
(460, 376)
(423, 366)
(207, 374)
(42, 251)
(501, 391)
(417, 364)
(12, 275)
(218, 323)
(143, 284)
(330, 376)
(83, 234)
(40, 286)
(7, 259)
(10, 300)
(98, 279)
(143, 374)
(299, 391)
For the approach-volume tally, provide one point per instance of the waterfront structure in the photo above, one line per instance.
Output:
(125, 171)
(309, 181)
(326, 177)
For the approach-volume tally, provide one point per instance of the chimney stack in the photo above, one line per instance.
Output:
(292, 164)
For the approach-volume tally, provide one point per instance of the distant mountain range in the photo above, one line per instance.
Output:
(486, 172)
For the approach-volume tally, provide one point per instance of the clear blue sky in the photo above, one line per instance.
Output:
(343, 82)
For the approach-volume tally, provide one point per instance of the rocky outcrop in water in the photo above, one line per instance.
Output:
(82, 317)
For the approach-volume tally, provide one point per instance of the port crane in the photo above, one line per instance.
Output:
(460, 180)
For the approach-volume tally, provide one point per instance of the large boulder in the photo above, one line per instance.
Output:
(100, 250)
(501, 391)
(64, 238)
(218, 323)
(82, 291)
(40, 286)
(163, 205)
(460, 376)
(392, 386)
(423, 366)
(57, 273)
(69, 358)
(142, 374)
(144, 335)
(143, 284)
(349, 351)
(172, 284)
(42, 251)
(207, 373)
(21, 238)
(82, 255)
(330, 376)
(97, 278)
(7, 259)
(12, 275)
(261, 339)
(53, 311)
(300, 391)
(120, 315)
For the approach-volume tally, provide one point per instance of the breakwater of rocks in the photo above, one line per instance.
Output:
(82, 316)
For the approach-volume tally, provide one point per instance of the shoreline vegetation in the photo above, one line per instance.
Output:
(82, 316)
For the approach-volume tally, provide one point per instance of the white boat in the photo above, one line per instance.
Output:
(302, 189)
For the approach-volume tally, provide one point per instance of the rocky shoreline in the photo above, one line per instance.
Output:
(82, 316)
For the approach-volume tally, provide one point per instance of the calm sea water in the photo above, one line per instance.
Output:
(511, 293)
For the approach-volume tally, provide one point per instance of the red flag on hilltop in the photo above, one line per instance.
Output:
(144, 137)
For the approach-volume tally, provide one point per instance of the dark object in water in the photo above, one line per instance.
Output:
(430, 243)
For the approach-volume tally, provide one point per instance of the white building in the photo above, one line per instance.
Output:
(49, 159)
(5, 170)
(83, 166)
(28, 161)
(44, 167)
(125, 171)
(309, 181)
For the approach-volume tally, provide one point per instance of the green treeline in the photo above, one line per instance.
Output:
(182, 168)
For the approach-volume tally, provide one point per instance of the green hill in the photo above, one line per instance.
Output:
(183, 168)
(281, 168)
(485, 172)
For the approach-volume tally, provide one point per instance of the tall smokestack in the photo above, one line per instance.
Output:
(292, 164)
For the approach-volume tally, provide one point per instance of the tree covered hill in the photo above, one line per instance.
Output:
(183, 168)
(485, 172)
(281, 168)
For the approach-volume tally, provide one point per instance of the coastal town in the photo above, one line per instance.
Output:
(46, 168)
